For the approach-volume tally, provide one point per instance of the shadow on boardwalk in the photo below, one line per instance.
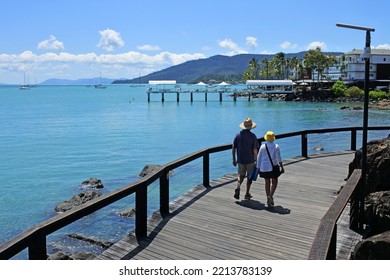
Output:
(208, 223)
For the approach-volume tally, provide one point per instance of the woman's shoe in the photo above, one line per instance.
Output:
(237, 193)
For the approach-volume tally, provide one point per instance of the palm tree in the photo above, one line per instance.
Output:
(248, 75)
(266, 69)
(254, 67)
(294, 66)
(279, 62)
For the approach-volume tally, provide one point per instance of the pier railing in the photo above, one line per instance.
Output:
(34, 239)
(324, 244)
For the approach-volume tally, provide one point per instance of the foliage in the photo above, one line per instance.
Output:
(378, 95)
(338, 89)
(254, 68)
(354, 91)
(278, 67)
(278, 62)
(318, 61)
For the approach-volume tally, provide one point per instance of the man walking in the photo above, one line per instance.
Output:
(245, 147)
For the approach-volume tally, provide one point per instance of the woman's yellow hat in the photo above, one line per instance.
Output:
(269, 136)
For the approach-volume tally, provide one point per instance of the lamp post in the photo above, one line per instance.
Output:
(366, 56)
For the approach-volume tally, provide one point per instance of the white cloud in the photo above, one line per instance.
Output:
(68, 65)
(231, 46)
(286, 45)
(148, 48)
(251, 42)
(314, 45)
(110, 40)
(383, 46)
(51, 44)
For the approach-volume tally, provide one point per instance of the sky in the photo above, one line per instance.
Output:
(68, 39)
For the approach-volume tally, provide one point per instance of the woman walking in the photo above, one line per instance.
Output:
(270, 166)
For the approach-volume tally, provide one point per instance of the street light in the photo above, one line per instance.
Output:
(366, 56)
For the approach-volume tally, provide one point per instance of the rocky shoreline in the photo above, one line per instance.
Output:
(324, 96)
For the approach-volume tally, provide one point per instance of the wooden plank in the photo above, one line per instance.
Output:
(211, 224)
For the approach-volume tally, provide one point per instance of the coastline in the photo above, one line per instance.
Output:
(324, 96)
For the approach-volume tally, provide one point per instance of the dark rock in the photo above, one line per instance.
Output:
(82, 256)
(149, 169)
(77, 200)
(378, 165)
(58, 256)
(92, 183)
(94, 241)
(374, 248)
(127, 213)
(377, 211)
(76, 256)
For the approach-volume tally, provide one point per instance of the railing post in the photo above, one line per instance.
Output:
(332, 246)
(304, 144)
(353, 139)
(37, 248)
(141, 203)
(164, 194)
(206, 169)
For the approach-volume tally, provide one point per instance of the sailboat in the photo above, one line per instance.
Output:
(24, 86)
(139, 83)
(100, 85)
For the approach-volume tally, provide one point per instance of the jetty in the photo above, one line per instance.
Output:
(163, 87)
(317, 213)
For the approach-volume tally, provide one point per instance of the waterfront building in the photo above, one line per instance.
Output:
(350, 68)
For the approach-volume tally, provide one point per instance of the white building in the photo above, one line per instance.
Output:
(351, 67)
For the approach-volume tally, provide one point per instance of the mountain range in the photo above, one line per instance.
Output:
(188, 72)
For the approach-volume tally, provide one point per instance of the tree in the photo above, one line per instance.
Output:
(248, 75)
(265, 72)
(318, 61)
(294, 66)
(279, 64)
(254, 67)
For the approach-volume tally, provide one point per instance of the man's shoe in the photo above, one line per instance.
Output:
(248, 196)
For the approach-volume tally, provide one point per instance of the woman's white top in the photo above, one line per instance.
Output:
(263, 163)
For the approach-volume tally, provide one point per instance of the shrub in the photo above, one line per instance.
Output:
(338, 89)
(354, 91)
(378, 95)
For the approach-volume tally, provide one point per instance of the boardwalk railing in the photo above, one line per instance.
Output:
(35, 238)
(324, 244)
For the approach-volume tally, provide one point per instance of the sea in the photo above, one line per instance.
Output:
(52, 138)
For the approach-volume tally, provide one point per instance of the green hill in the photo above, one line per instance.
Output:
(215, 66)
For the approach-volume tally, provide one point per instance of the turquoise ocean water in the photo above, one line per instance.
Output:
(54, 137)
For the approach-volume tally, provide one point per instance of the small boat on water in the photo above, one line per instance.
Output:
(24, 87)
(100, 86)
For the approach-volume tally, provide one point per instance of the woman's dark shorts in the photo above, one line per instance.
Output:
(267, 175)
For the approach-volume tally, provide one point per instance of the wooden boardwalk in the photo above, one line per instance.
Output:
(208, 224)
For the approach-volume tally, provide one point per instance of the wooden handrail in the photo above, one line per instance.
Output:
(324, 244)
(35, 238)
